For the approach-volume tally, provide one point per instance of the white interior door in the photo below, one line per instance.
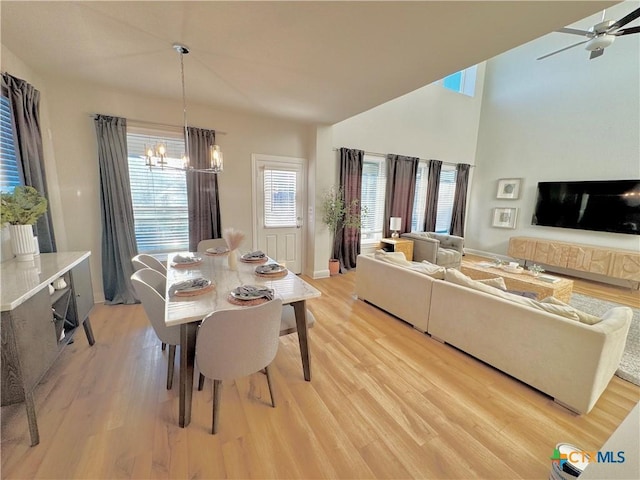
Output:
(278, 208)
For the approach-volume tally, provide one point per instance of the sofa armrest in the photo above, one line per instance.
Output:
(424, 247)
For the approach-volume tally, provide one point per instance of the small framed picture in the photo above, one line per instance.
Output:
(509, 188)
(505, 217)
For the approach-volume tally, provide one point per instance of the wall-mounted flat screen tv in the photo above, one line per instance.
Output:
(607, 206)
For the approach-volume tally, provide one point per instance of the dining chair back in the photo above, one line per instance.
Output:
(143, 260)
(203, 245)
(235, 343)
(150, 286)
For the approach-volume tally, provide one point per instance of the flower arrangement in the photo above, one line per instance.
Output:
(535, 269)
(22, 207)
(233, 237)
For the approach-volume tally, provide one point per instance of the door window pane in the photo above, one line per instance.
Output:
(279, 198)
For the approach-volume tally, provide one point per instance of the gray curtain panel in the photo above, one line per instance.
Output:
(346, 245)
(400, 190)
(118, 229)
(460, 200)
(24, 102)
(433, 188)
(202, 190)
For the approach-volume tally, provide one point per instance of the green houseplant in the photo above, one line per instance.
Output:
(21, 209)
(337, 215)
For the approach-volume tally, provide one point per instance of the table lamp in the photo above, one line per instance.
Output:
(395, 224)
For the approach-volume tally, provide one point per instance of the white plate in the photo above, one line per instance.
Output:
(204, 284)
(270, 268)
(240, 296)
(218, 250)
(247, 258)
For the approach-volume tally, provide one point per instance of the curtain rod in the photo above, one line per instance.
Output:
(376, 154)
(157, 124)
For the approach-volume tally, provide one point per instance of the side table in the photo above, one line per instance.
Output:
(398, 245)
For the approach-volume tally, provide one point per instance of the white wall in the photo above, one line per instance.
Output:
(562, 118)
(73, 144)
(431, 122)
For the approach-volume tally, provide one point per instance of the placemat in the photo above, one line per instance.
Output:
(260, 260)
(246, 303)
(195, 292)
(273, 275)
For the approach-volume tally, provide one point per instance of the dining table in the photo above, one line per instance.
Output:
(188, 308)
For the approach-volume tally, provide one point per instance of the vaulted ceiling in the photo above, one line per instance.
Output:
(310, 61)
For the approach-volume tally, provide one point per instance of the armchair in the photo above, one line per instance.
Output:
(438, 248)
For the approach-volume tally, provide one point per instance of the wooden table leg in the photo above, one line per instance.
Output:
(31, 418)
(300, 310)
(187, 361)
(88, 331)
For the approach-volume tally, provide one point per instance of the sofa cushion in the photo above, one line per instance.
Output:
(428, 268)
(497, 282)
(459, 278)
(397, 258)
(583, 317)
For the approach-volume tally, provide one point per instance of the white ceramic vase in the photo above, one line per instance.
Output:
(22, 244)
(233, 260)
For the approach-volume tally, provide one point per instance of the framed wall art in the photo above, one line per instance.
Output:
(509, 188)
(504, 217)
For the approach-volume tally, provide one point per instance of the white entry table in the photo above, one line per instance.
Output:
(189, 311)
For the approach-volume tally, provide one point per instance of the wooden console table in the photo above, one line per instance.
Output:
(36, 325)
(609, 262)
(398, 245)
(561, 289)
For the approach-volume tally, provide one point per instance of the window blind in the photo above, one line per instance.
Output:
(159, 197)
(374, 179)
(279, 198)
(420, 197)
(446, 194)
(9, 171)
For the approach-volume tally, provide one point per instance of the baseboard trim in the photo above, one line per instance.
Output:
(320, 274)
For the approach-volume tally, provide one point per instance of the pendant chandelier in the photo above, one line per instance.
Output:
(156, 156)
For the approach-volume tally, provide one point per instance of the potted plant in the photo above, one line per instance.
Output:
(21, 209)
(337, 215)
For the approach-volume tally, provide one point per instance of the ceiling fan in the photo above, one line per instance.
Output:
(601, 35)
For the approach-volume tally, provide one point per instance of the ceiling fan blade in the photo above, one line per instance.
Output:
(573, 31)
(627, 31)
(596, 53)
(624, 20)
(562, 50)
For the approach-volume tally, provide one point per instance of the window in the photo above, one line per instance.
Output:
(463, 81)
(160, 206)
(9, 171)
(374, 182)
(279, 198)
(446, 193)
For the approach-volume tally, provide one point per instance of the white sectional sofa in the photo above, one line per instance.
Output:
(571, 361)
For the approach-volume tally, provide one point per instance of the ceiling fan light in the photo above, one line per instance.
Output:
(600, 42)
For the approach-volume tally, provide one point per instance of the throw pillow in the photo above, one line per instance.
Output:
(523, 294)
(455, 276)
(397, 258)
(428, 268)
(583, 317)
(497, 282)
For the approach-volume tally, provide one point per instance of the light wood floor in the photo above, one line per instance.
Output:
(385, 401)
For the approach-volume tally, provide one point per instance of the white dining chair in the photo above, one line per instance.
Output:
(150, 286)
(288, 320)
(144, 260)
(236, 343)
(203, 245)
